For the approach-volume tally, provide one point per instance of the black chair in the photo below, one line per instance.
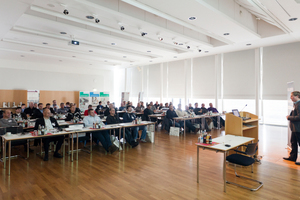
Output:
(244, 160)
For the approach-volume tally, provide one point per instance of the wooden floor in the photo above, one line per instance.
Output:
(164, 170)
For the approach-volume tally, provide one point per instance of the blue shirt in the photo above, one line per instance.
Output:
(89, 120)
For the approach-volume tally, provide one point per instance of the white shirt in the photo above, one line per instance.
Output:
(89, 120)
(181, 113)
(48, 124)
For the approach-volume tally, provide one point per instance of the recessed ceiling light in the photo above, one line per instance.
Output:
(175, 56)
(192, 18)
(90, 50)
(124, 56)
(149, 51)
(150, 61)
(176, 43)
(45, 43)
(248, 44)
(22, 56)
(89, 17)
(293, 19)
(206, 51)
(32, 50)
(60, 60)
(113, 44)
(63, 33)
(226, 33)
(105, 60)
(180, 44)
(74, 56)
(51, 5)
(131, 64)
(91, 64)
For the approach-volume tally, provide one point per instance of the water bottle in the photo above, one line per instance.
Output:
(201, 138)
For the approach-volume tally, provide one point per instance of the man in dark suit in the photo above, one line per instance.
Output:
(294, 119)
(49, 123)
(38, 113)
(19, 113)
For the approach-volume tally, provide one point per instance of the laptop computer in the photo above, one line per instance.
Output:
(236, 112)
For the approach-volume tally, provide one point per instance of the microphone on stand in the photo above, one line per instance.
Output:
(243, 108)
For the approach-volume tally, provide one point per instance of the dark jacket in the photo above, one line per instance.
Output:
(29, 111)
(147, 112)
(41, 122)
(71, 116)
(294, 118)
(23, 115)
(37, 114)
(129, 117)
(112, 119)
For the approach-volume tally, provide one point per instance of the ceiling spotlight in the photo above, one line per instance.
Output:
(176, 43)
(293, 19)
(143, 34)
(188, 47)
(160, 38)
(122, 28)
(89, 17)
(206, 51)
(63, 33)
(97, 20)
(45, 43)
(66, 12)
(90, 50)
(180, 44)
(192, 18)
(248, 44)
(199, 50)
(226, 33)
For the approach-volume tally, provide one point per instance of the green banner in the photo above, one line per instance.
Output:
(83, 94)
(104, 94)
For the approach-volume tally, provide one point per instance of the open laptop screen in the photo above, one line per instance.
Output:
(236, 112)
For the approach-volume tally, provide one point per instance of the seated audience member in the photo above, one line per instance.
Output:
(76, 108)
(73, 114)
(182, 113)
(7, 121)
(67, 105)
(62, 110)
(112, 118)
(188, 110)
(190, 107)
(19, 114)
(107, 104)
(160, 106)
(203, 110)
(166, 105)
(153, 107)
(129, 117)
(51, 109)
(35, 105)
(86, 112)
(197, 112)
(49, 123)
(215, 119)
(130, 104)
(106, 113)
(156, 105)
(99, 108)
(138, 108)
(170, 115)
(142, 105)
(38, 113)
(102, 136)
(122, 108)
(148, 112)
(30, 110)
(23, 107)
(54, 106)
(1, 114)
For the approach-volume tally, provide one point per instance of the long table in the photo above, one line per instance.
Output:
(232, 140)
(28, 136)
(202, 117)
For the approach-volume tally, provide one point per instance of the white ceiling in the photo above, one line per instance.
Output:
(26, 24)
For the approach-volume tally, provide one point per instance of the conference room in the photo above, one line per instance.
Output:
(149, 99)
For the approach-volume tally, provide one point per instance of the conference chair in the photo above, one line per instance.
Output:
(244, 158)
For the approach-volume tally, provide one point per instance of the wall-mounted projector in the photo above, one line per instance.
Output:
(74, 42)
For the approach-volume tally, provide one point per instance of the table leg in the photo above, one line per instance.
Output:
(124, 140)
(203, 123)
(27, 149)
(91, 142)
(197, 164)
(218, 122)
(224, 171)
(153, 135)
(9, 156)
(4, 152)
(72, 148)
(184, 128)
(77, 146)
(120, 139)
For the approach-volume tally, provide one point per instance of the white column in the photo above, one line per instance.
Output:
(186, 84)
(219, 79)
(258, 79)
(161, 82)
(192, 68)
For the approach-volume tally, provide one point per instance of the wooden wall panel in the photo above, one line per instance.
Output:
(59, 96)
(16, 96)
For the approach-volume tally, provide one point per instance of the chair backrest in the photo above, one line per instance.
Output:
(252, 148)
